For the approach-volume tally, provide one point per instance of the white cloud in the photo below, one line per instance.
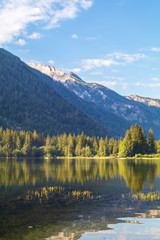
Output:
(127, 58)
(150, 85)
(86, 4)
(16, 15)
(154, 69)
(124, 85)
(35, 35)
(69, 10)
(36, 62)
(89, 64)
(115, 78)
(74, 36)
(20, 42)
(109, 84)
(113, 59)
(120, 78)
(89, 38)
(155, 79)
(116, 81)
(153, 85)
(97, 73)
(76, 70)
(114, 70)
(51, 62)
(138, 84)
(154, 49)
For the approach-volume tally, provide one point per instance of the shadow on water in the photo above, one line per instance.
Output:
(65, 198)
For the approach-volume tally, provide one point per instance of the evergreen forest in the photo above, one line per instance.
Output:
(21, 143)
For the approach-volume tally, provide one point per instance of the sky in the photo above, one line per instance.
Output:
(112, 42)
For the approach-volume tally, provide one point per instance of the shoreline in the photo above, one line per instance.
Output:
(81, 157)
(108, 157)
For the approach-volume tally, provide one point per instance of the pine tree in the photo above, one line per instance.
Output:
(64, 144)
(78, 146)
(35, 138)
(158, 146)
(18, 143)
(110, 146)
(70, 146)
(107, 146)
(126, 146)
(7, 138)
(1, 134)
(102, 148)
(86, 151)
(138, 140)
(48, 147)
(95, 146)
(80, 143)
(115, 147)
(151, 142)
(27, 144)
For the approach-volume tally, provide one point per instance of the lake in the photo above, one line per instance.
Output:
(83, 199)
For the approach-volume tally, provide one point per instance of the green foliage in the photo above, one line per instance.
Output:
(134, 142)
(151, 142)
(48, 147)
(17, 144)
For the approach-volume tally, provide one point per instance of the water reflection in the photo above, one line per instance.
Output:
(146, 229)
(135, 172)
(62, 199)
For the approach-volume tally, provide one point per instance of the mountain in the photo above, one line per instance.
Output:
(114, 124)
(145, 100)
(27, 102)
(106, 107)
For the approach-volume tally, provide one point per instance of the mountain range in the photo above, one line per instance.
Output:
(45, 98)
(109, 109)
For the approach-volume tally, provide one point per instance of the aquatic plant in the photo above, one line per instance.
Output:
(55, 193)
(150, 196)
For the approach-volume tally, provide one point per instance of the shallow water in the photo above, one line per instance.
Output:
(79, 199)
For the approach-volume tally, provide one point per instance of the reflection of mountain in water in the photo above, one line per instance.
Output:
(61, 236)
(135, 173)
(150, 214)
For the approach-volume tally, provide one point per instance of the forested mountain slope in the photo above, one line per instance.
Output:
(111, 110)
(114, 124)
(28, 102)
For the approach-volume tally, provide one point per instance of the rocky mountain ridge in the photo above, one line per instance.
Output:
(109, 101)
(55, 73)
(145, 100)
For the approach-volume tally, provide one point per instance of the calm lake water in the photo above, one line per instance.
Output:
(79, 199)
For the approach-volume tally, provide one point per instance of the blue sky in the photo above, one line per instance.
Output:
(112, 42)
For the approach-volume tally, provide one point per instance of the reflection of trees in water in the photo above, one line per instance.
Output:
(137, 173)
(134, 172)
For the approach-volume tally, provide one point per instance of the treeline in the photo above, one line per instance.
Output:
(21, 143)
